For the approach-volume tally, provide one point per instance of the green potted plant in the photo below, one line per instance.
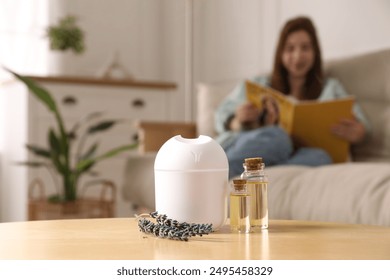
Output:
(61, 141)
(66, 35)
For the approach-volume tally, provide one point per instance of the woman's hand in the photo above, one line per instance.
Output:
(350, 130)
(270, 111)
(248, 116)
(245, 117)
(247, 113)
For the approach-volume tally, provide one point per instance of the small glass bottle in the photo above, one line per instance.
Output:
(240, 207)
(257, 183)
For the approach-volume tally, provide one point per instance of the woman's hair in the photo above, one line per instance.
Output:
(314, 78)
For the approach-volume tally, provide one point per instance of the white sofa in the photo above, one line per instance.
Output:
(355, 192)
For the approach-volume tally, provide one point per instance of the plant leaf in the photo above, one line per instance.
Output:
(44, 96)
(91, 152)
(38, 151)
(33, 164)
(84, 119)
(104, 125)
(55, 152)
(85, 165)
(41, 93)
(55, 145)
(116, 151)
(80, 167)
(61, 152)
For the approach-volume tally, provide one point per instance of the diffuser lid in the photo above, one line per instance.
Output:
(185, 154)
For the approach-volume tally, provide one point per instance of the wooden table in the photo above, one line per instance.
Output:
(120, 239)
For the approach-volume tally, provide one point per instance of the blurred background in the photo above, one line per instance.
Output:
(180, 41)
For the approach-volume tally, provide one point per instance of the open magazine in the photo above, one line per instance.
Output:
(308, 122)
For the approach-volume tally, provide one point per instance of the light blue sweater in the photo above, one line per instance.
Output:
(331, 90)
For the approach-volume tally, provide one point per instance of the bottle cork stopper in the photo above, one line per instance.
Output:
(239, 184)
(253, 163)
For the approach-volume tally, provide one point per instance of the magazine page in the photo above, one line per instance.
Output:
(308, 122)
(312, 126)
(256, 93)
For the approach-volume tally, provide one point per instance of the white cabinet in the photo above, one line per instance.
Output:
(76, 98)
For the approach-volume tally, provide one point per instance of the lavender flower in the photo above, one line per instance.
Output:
(172, 229)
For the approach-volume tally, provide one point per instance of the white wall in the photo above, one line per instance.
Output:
(126, 26)
(236, 39)
(225, 33)
(346, 27)
(132, 27)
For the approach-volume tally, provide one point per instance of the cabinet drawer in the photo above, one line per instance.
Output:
(76, 102)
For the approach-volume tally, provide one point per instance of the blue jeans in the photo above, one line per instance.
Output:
(275, 147)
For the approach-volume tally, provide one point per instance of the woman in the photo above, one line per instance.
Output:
(247, 132)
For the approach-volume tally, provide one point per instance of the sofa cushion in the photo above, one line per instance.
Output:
(356, 193)
(366, 76)
(209, 96)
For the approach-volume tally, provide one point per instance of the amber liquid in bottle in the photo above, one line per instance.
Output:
(239, 212)
(240, 207)
(257, 184)
(259, 205)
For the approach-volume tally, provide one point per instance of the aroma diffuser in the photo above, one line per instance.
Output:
(191, 180)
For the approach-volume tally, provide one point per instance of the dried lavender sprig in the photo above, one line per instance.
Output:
(162, 219)
(161, 230)
(165, 231)
(196, 229)
(172, 229)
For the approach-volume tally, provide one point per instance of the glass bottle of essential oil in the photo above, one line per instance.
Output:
(240, 207)
(257, 183)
